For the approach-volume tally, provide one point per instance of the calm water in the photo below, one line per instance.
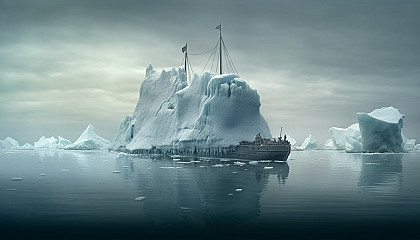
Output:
(315, 195)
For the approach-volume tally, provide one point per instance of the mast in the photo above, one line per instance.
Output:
(219, 27)
(184, 50)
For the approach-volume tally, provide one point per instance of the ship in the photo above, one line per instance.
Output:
(259, 149)
(262, 149)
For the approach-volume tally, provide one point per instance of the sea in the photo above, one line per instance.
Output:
(54, 194)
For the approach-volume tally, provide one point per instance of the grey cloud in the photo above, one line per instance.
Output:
(315, 64)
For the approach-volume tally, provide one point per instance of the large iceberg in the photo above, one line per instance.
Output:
(88, 140)
(9, 142)
(381, 130)
(213, 112)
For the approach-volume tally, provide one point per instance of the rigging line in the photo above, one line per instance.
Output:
(230, 57)
(230, 62)
(208, 60)
(189, 64)
(203, 52)
(214, 56)
(217, 65)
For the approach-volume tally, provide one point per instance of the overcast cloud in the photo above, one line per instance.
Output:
(65, 64)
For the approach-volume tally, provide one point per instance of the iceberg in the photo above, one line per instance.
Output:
(27, 146)
(44, 142)
(89, 140)
(9, 143)
(408, 144)
(292, 142)
(329, 145)
(381, 130)
(310, 143)
(417, 148)
(210, 115)
(348, 139)
(62, 142)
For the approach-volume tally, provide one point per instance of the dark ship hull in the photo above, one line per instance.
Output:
(262, 152)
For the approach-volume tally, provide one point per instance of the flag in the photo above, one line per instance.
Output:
(184, 49)
(219, 27)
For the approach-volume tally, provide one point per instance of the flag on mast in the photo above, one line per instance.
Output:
(184, 49)
(219, 27)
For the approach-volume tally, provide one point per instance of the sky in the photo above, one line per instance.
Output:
(315, 64)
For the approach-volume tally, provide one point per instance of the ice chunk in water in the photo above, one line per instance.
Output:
(141, 198)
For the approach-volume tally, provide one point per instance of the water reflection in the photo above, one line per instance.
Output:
(381, 173)
(204, 191)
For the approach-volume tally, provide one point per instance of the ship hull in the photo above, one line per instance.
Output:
(274, 153)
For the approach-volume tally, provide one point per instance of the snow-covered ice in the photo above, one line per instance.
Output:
(381, 130)
(62, 142)
(27, 146)
(348, 139)
(310, 143)
(44, 142)
(89, 140)
(9, 142)
(210, 115)
(17, 179)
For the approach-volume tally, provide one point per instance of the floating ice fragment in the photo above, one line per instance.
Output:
(264, 161)
(238, 190)
(10, 189)
(141, 198)
(42, 174)
(268, 168)
(234, 172)
(116, 171)
(185, 208)
(65, 170)
(253, 162)
(218, 165)
(17, 179)
(176, 159)
(184, 162)
(126, 166)
(239, 163)
(230, 194)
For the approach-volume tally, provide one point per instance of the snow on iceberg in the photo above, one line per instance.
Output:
(62, 142)
(44, 142)
(9, 143)
(408, 144)
(27, 146)
(348, 139)
(310, 143)
(213, 112)
(292, 142)
(89, 140)
(381, 130)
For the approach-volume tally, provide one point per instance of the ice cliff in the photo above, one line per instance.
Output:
(377, 131)
(381, 130)
(213, 111)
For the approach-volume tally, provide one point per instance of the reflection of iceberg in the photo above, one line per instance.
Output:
(381, 173)
(200, 192)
